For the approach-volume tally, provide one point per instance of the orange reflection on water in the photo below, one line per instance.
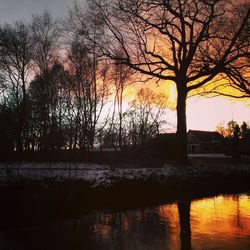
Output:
(221, 214)
(223, 220)
(169, 214)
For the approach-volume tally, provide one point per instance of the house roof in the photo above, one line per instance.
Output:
(194, 136)
(204, 136)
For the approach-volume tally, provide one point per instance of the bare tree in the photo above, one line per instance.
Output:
(15, 70)
(46, 36)
(144, 118)
(237, 71)
(89, 92)
(235, 78)
(191, 43)
(120, 77)
(89, 69)
(52, 137)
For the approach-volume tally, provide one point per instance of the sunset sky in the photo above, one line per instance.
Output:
(202, 113)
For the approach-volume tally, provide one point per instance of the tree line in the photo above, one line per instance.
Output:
(234, 130)
(58, 93)
(57, 77)
(237, 138)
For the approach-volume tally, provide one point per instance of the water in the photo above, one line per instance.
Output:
(221, 222)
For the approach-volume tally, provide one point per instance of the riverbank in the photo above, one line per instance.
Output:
(38, 191)
(66, 180)
(107, 176)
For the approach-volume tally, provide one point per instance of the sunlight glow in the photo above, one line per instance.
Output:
(207, 113)
(203, 112)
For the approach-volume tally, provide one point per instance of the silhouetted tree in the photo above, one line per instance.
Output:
(89, 93)
(90, 72)
(236, 82)
(191, 43)
(233, 130)
(245, 129)
(143, 118)
(16, 48)
(7, 129)
(56, 111)
(46, 36)
(234, 134)
(120, 77)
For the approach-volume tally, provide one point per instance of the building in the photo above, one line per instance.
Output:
(205, 142)
(243, 144)
(163, 146)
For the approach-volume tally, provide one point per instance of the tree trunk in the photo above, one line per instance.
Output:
(181, 134)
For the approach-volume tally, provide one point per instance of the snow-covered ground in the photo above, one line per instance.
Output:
(104, 175)
(209, 156)
(98, 175)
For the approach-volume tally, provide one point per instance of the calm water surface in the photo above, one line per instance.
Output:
(221, 222)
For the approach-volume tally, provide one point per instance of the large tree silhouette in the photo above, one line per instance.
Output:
(189, 42)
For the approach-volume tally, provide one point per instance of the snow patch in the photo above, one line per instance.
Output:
(104, 175)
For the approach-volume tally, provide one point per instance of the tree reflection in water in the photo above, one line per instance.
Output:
(184, 221)
(166, 226)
